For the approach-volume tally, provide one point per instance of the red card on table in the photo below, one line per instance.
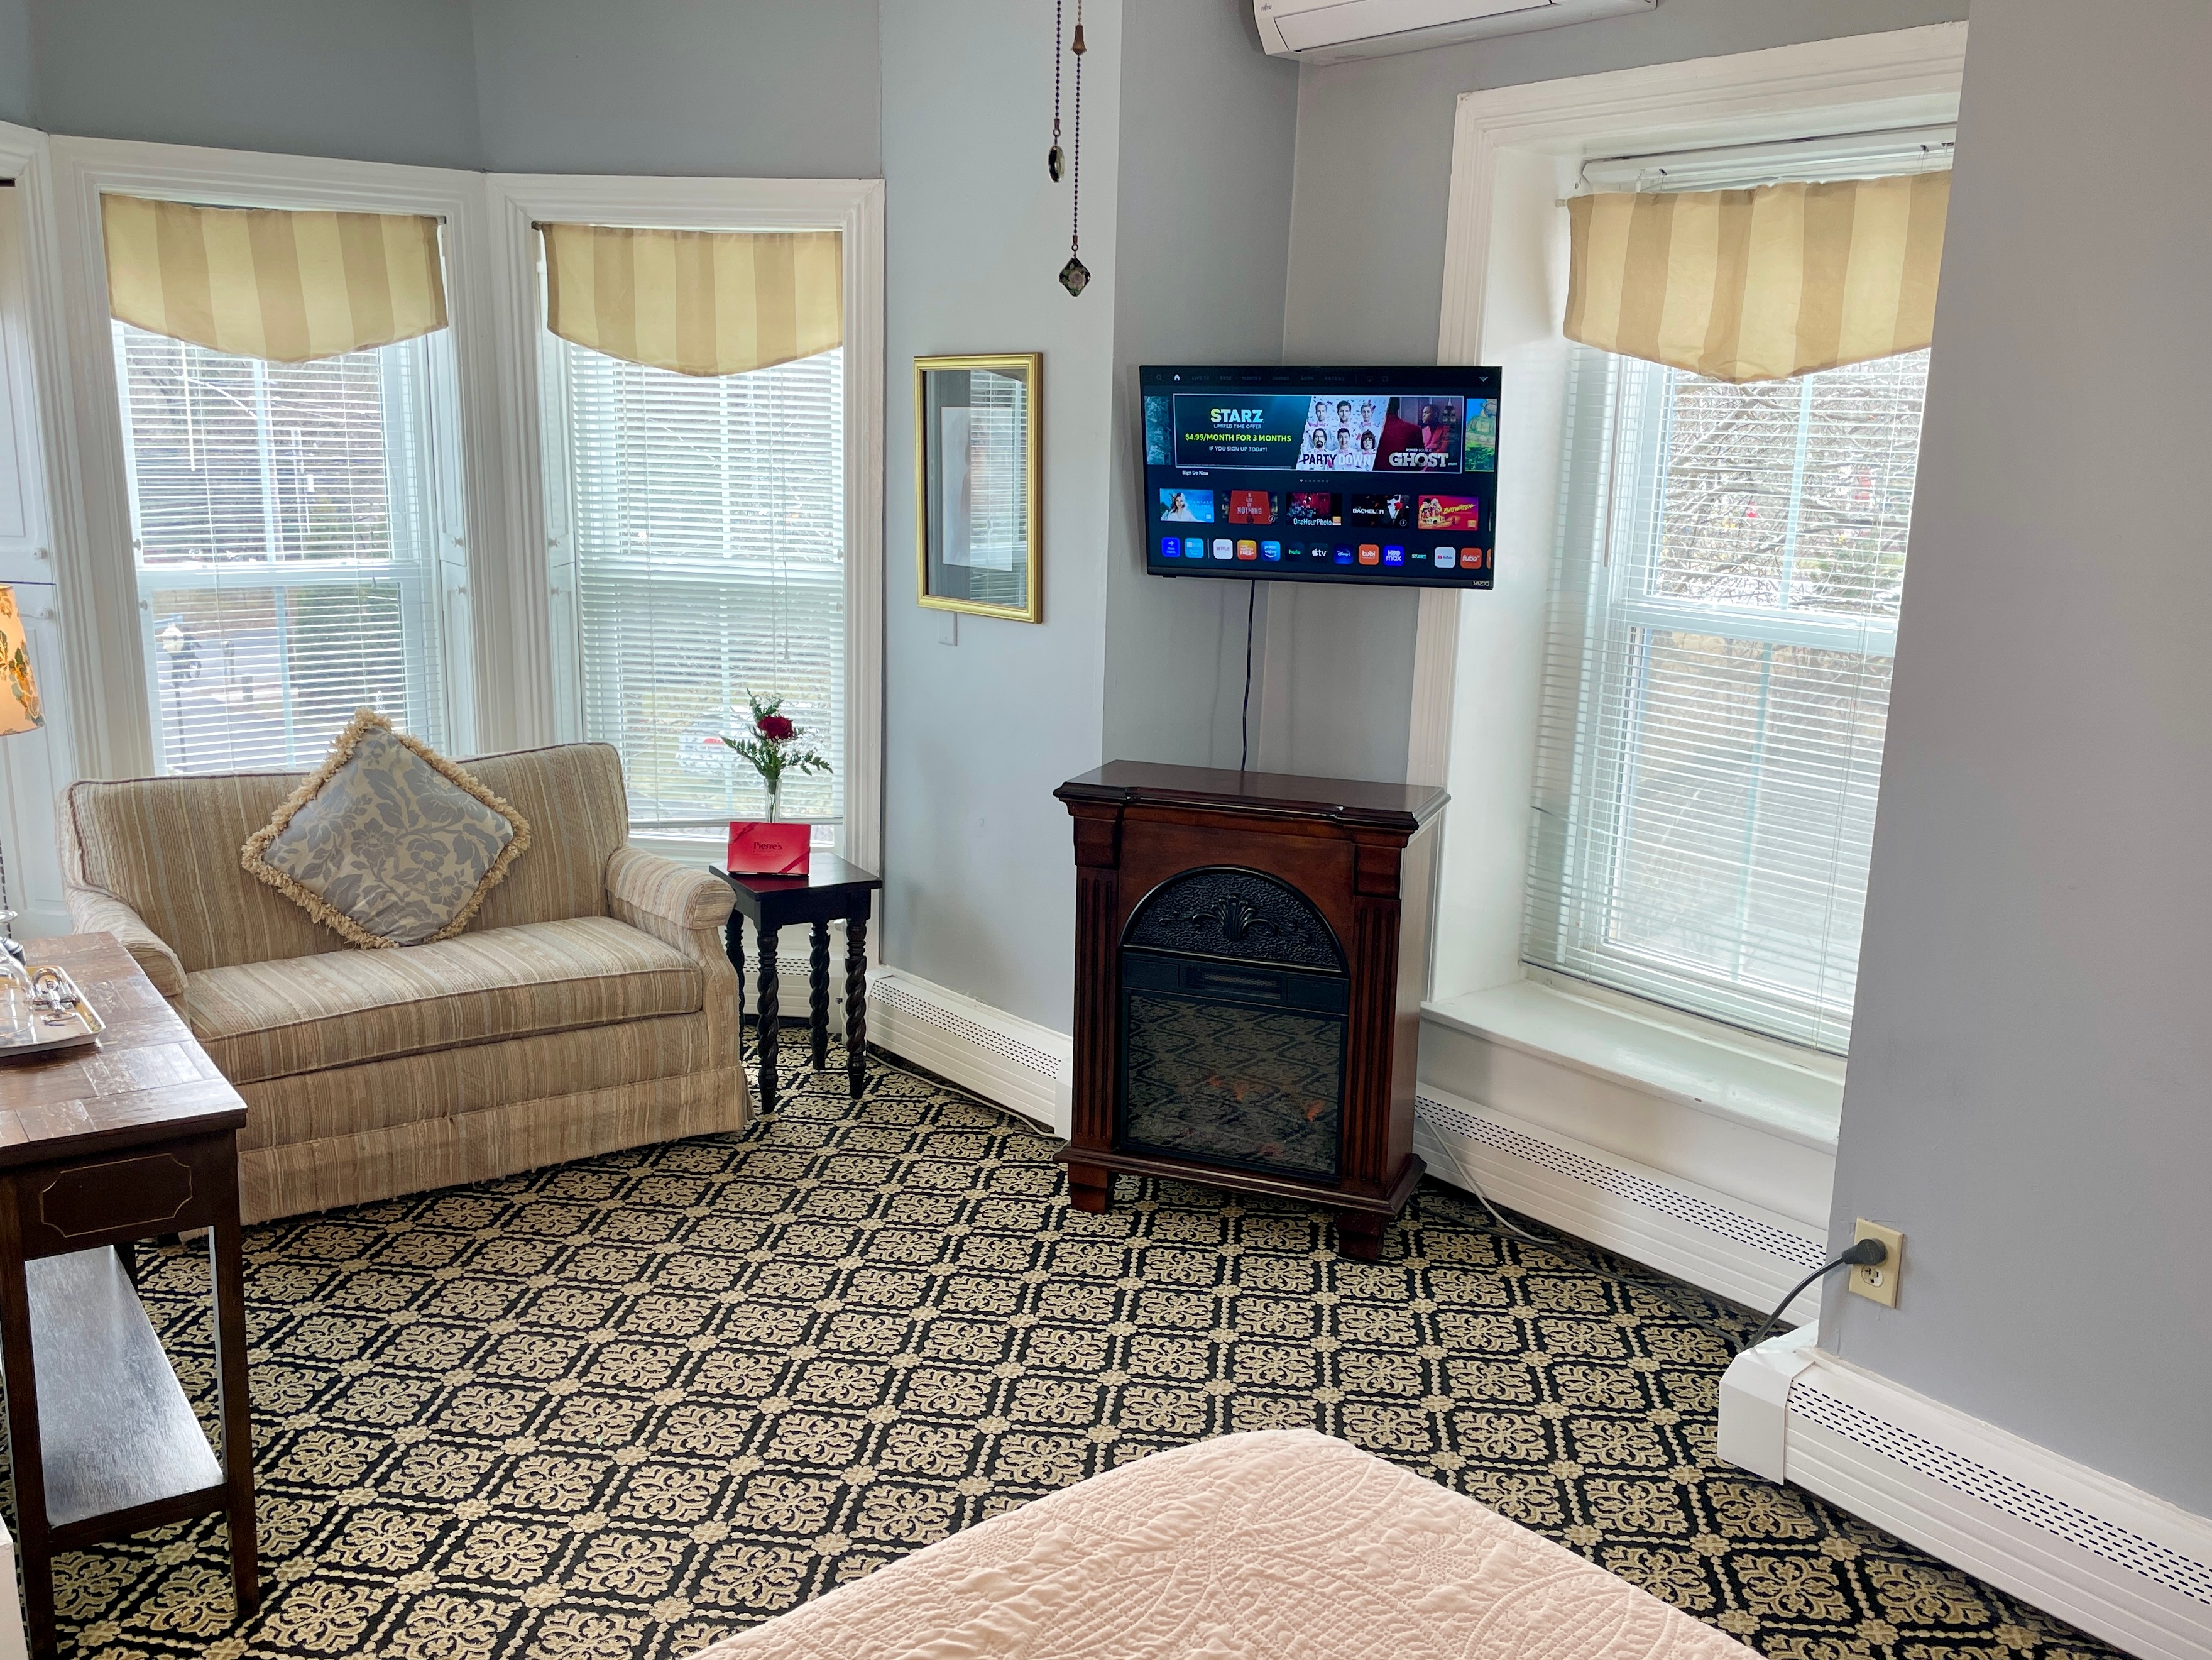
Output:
(764, 850)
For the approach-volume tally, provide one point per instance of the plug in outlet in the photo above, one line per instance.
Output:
(1878, 1283)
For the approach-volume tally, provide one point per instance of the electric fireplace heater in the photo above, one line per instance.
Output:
(1250, 950)
(1234, 994)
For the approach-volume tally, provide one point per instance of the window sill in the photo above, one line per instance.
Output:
(1797, 1103)
(683, 848)
(704, 846)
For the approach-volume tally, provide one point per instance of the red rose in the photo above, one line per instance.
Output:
(775, 728)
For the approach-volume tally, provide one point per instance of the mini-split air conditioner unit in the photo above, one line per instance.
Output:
(1329, 31)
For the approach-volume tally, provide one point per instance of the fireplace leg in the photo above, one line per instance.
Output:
(1359, 1234)
(1089, 1186)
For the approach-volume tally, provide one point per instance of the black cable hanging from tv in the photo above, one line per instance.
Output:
(1244, 722)
(1074, 275)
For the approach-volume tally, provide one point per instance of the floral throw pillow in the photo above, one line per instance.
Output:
(390, 843)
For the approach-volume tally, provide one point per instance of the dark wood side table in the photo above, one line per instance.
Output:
(833, 891)
(101, 1146)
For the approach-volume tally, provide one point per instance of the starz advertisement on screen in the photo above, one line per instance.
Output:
(1379, 478)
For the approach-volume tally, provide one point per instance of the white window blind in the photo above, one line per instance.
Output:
(1724, 614)
(293, 559)
(697, 531)
(997, 524)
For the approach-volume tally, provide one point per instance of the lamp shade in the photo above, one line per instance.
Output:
(19, 689)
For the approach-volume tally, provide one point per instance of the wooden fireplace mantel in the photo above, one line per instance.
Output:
(1404, 808)
(1362, 854)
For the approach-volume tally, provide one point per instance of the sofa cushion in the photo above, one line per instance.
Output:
(388, 842)
(574, 798)
(261, 1020)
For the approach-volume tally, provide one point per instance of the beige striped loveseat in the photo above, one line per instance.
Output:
(587, 1006)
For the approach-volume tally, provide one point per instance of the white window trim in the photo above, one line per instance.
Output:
(31, 768)
(106, 665)
(25, 155)
(853, 207)
(1514, 152)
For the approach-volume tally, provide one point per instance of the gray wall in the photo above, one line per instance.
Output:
(977, 855)
(740, 88)
(1366, 280)
(1187, 262)
(394, 81)
(2027, 1096)
(15, 61)
(745, 89)
(1209, 133)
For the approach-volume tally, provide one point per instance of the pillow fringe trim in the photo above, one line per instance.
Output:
(365, 722)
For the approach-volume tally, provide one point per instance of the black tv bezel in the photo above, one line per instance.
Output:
(1293, 377)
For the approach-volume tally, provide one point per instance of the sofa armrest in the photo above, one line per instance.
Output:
(685, 907)
(91, 911)
(680, 905)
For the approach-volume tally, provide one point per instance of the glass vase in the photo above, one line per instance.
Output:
(19, 1022)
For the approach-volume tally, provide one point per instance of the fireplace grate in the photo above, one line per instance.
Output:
(1233, 1007)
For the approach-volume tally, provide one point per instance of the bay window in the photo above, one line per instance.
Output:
(696, 525)
(293, 529)
(375, 440)
(286, 387)
(695, 453)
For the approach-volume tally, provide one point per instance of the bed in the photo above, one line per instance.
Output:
(1282, 1544)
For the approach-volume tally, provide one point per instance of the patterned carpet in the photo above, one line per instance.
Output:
(628, 1406)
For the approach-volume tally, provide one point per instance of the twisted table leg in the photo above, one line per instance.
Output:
(770, 1018)
(733, 943)
(856, 1004)
(818, 988)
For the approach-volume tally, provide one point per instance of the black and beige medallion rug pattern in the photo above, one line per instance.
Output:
(625, 1406)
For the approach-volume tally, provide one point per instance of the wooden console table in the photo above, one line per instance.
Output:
(100, 1146)
(832, 891)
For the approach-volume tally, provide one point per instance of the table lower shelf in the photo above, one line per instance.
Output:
(122, 1446)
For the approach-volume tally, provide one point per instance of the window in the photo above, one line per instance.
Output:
(1724, 615)
(697, 527)
(294, 547)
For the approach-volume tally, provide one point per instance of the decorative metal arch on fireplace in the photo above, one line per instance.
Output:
(1228, 911)
(1234, 993)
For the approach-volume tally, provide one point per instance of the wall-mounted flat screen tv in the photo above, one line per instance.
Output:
(1378, 478)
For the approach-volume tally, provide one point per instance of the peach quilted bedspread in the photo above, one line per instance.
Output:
(1283, 1545)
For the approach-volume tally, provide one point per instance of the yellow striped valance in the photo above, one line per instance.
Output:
(1760, 284)
(262, 282)
(698, 302)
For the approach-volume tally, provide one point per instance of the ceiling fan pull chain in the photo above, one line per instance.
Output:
(1056, 161)
(1075, 275)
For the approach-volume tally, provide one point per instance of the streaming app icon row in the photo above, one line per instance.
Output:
(1363, 553)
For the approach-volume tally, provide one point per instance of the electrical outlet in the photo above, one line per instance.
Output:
(1878, 1283)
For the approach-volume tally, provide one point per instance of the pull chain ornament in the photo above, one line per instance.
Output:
(1075, 275)
(1055, 159)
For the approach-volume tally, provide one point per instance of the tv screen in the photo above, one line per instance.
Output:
(1378, 478)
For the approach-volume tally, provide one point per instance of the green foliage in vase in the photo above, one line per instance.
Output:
(774, 745)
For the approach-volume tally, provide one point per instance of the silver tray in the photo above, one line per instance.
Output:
(66, 1023)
